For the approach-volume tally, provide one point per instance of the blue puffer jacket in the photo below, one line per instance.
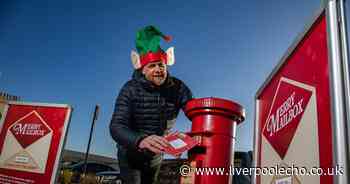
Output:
(144, 109)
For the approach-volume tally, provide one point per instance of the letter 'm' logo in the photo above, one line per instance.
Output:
(29, 129)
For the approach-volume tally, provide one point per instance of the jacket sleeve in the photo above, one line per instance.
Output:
(186, 95)
(120, 125)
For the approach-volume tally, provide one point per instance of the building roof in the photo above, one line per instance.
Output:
(76, 156)
(7, 97)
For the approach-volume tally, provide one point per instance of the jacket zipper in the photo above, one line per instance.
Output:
(158, 98)
(161, 114)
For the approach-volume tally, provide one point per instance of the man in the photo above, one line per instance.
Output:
(146, 109)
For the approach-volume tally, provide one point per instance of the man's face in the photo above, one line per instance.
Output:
(155, 72)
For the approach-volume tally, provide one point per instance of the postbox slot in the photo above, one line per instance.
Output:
(197, 150)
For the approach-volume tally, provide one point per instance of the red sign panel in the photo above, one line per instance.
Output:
(293, 110)
(31, 141)
(286, 111)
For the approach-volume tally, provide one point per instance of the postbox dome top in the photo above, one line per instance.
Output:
(234, 109)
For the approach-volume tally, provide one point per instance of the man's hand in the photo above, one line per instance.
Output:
(154, 143)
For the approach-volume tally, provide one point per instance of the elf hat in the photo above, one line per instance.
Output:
(147, 45)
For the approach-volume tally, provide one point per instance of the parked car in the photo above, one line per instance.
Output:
(73, 173)
(109, 177)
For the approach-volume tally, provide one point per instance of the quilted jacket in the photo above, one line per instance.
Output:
(143, 109)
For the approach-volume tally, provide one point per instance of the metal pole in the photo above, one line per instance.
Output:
(90, 137)
(337, 92)
(255, 140)
(346, 72)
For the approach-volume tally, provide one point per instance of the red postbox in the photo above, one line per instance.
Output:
(214, 122)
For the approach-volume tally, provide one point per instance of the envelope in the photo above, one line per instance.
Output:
(180, 143)
(27, 143)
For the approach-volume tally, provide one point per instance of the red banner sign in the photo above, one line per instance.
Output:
(293, 116)
(31, 142)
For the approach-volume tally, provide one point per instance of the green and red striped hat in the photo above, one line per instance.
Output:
(148, 48)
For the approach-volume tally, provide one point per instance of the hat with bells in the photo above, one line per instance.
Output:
(148, 48)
